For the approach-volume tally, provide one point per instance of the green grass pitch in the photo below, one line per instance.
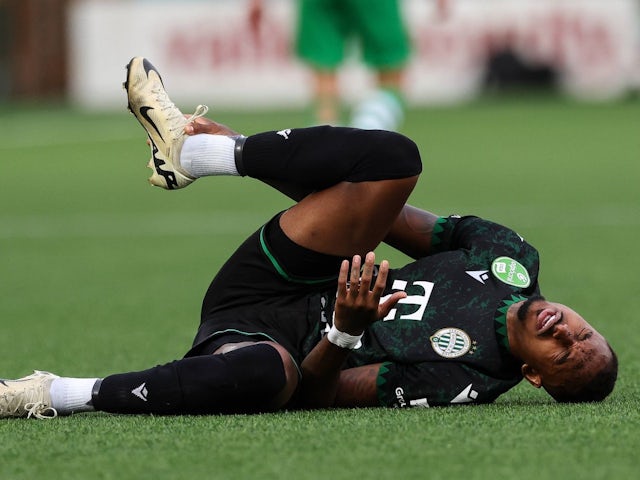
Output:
(102, 273)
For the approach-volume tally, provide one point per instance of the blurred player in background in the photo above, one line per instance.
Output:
(326, 29)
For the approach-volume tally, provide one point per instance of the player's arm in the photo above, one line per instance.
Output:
(358, 387)
(411, 232)
(357, 306)
(423, 384)
(414, 230)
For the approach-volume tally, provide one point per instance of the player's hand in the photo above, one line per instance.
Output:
(205, 125)
(358, 303)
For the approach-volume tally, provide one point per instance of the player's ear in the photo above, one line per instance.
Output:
(532, 375)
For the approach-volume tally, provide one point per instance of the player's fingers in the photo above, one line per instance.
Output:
(196, 127)
(354, 281)
(385, 307)
(381, 281)
(342, 278)
(367, 272)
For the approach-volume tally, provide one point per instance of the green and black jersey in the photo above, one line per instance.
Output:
(446, 342)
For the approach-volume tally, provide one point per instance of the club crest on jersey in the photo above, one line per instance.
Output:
(450, 342)
(511, 272)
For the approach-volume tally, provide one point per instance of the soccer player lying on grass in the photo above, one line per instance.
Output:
(463, 323)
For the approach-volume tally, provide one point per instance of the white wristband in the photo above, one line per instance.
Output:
(343, 340)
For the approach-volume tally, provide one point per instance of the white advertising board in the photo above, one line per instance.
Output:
(207, 53)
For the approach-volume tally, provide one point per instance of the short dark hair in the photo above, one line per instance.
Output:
(595, 390)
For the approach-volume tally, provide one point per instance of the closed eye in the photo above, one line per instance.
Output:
(562, 358)
(586, 336)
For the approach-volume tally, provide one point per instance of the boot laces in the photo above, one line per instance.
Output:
(13, 404)
(40, 411)
(175, 119)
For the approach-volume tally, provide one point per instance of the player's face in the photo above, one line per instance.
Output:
(558, 346)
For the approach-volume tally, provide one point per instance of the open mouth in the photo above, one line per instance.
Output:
(546, 320)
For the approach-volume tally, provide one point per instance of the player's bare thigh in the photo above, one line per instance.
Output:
(348, 218)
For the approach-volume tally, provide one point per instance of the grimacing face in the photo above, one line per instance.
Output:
(559, 349)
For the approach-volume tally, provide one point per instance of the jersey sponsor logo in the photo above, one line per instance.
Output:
(450, 342)
(511, 272)
(420, 301)
(402, 403)
(478, 275)
(466, 396)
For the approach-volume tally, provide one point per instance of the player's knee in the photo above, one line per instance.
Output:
(404, 154)
(291, 377)
(266, 371)
(390, 156)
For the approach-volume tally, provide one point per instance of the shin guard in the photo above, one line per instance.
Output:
(242, 381)
(319, 157)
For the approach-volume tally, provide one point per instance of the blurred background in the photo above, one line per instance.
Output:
(75, 50)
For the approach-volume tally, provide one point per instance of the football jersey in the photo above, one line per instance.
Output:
(446, 342)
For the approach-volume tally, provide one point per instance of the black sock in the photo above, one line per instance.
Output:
(241, 381)
(319, 157)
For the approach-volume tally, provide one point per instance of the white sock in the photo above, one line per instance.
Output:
(204, 155)
(382, 111)
(72, 395)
